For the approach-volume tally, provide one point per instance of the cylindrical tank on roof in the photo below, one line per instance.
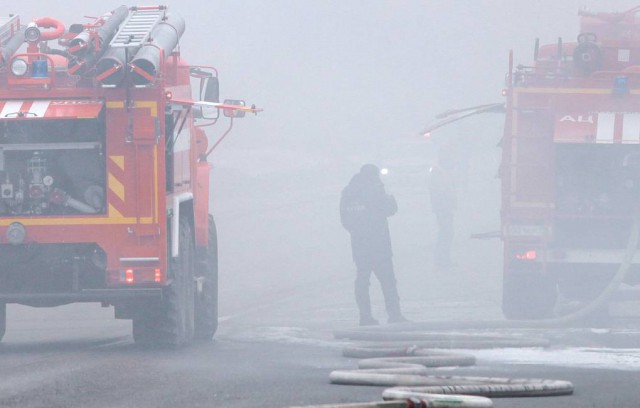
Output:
(165, 36)
(110, 69)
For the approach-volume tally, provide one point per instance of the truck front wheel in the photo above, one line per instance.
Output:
(528, 294)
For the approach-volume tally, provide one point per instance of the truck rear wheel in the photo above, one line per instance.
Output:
(206, 314)
(172, 322)
(528, 294)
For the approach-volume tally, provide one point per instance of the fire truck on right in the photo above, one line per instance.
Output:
(570, 168)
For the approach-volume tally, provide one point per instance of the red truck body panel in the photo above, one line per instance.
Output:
(569, 181)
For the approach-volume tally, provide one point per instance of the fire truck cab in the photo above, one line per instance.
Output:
(104, 178)
(571, 166)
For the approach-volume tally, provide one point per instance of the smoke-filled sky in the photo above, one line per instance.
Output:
(344, 82)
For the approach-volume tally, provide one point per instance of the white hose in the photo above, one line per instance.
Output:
(484, 386)
(410, 371)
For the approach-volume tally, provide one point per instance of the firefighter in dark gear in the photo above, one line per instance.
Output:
(442, 192)
(364, 208)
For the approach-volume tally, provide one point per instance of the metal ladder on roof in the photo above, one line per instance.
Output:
(137, 27)
(8, 27)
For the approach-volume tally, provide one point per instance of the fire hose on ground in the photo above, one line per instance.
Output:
(406, 370)
(400, 359)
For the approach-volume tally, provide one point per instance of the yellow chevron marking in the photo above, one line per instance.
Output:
(153, 105)
(113, 212)
(118, 160)
(116, 186)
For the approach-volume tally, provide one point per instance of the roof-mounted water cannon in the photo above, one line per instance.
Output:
(33, 33)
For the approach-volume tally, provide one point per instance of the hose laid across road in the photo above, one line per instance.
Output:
(406, 369)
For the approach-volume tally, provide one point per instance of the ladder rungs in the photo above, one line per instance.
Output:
(137, 28)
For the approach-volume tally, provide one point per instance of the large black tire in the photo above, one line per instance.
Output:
(3, 319)
(206, 318)
(172, 322)
(528, 294)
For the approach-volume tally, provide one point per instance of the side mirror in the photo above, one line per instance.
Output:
(211, 90)
(234, 113)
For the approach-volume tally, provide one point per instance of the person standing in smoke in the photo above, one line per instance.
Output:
(442, 192)
(364, 209)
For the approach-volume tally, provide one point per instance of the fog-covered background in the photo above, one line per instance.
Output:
(345, 82)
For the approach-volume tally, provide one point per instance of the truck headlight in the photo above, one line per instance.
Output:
(19, 67)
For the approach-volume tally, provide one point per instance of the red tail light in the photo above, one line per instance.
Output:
(128, 276)
(527, 256)
(137, 276)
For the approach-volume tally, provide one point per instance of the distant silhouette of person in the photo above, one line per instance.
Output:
(442, 190)
(364, 208)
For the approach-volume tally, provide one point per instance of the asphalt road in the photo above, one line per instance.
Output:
(77, 356)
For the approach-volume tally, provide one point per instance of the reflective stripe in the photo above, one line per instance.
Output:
(39, 108)
(10, 107)
(631, 128)
(606, 127)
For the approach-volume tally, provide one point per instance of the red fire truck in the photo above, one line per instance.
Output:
(571, 165)
(104, 178)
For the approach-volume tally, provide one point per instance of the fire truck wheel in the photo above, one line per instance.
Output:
(3, 319)
(207, 300)
(528, 295)
(172, 323)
